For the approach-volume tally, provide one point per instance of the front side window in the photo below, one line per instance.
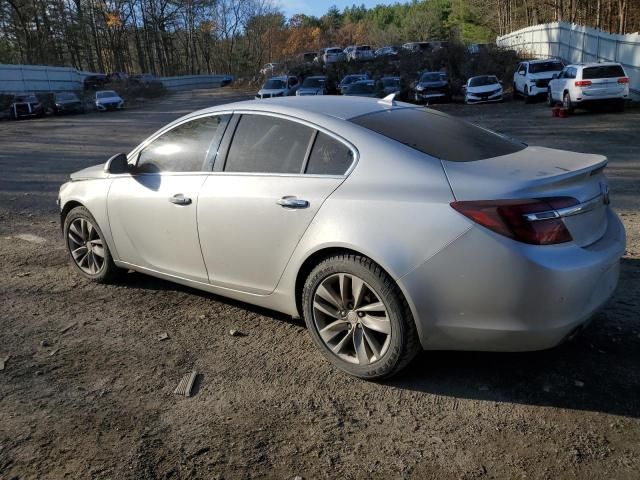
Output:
(181, 149)
(329, 156)
(266, 144)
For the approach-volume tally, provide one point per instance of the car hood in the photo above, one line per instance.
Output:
(543, 75)
(67, 102)
(90, 173)
(484, 88)
(109, 99)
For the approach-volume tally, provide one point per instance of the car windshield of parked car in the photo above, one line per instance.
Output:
(439, 135)
(545, 67)
(313, 83)
(602, 71)
(483, 81)
(27, 99)
(433, 77)
(274, 84)
(334, 50)
(361, 88)
(106, 94)
(62, 97)
(390, 82)
(363, 48)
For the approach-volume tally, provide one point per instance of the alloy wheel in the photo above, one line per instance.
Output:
(351, 319)
(86, 246)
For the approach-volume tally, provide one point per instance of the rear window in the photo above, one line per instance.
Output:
(439, 135)
(603, 71)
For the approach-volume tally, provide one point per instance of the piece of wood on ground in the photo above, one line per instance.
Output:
(3, 362)
(186, 384)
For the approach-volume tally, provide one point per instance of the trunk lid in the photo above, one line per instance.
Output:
(537, 172)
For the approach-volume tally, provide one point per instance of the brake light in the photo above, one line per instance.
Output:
(623, 80)
(509, 218)
(583, 83)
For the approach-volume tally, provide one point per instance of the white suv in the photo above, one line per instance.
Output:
(360, 52)
(532, 78)
(589, 83)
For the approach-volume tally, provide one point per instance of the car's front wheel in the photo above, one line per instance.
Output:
(525, 94)
(358, 317)
(87, 248)
(550, 101)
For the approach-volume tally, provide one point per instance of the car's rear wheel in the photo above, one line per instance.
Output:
(567, 103)
(358, 317)
(87, 247)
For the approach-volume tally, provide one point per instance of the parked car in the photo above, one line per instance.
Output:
(95, 82)
(308, 57)
(415, 47)
(586, 84)
(349, 79)
(277, 87)
(333, 55)
(390, 85)
(378, 223)
(483, 89)
(25, 105)
(117, 77)
(361, 88)
(316, 85)
(347, 51)
(270, 69)
(388, 51)
(108, 100)
(532, 77)
(67, 102)
(360, 52)
(144, 80)
(433, 87)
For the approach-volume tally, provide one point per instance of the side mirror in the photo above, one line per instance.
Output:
(117, 164)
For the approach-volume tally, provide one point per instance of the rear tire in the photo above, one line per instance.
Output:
(567, 103)
(358, 318)
(87, 248)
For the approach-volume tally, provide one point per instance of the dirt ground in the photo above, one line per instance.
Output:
(87, 390)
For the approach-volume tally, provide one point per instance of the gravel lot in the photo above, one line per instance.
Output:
(87, 390)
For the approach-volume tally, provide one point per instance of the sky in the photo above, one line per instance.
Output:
(320, 7)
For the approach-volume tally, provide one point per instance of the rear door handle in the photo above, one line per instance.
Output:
(292, 202)
(180, 199)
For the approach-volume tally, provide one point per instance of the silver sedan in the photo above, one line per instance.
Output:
(388, 228)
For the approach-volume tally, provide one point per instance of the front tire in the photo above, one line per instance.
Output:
(358, 318)
(87, 248)
(525, 94)
(550, 101)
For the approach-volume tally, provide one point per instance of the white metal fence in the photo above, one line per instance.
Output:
(577, 44)
(36, 78)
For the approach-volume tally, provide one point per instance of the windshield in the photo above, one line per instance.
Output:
(438, 134)
(545, 67)
(361, 88)
(482, 81)
(66, 96)
(351, 78)
(334, 50)
(433, 77)
(106, 94)
(274, 84)
(27, 99)
(390, 82)
(313, 82)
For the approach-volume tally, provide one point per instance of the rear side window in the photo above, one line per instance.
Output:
(602, 71)
(439, 135)
(329, 156)
(181, 149)
(265, 144)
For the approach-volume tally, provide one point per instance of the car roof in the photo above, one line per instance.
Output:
(595, 64)
(311, 107)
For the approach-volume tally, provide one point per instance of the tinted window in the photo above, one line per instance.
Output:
(439, 135)
(329, 156)
(274, 84)
(544, 67)
(603, 71)
(313, 82)
(265, 144)
(483, 81)
(182, 149)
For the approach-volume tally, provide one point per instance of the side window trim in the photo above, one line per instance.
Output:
(225, 144)
(307, 156)
(214, 146)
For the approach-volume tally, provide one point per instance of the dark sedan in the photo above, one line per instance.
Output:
(433, 87)
(67, 102)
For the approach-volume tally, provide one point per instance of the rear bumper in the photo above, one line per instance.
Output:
(486, 292)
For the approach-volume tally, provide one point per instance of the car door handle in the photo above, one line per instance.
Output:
(291, 201)
(180, 199)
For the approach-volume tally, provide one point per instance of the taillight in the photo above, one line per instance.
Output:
(512, 218)
(583, 83)
(623, 80)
